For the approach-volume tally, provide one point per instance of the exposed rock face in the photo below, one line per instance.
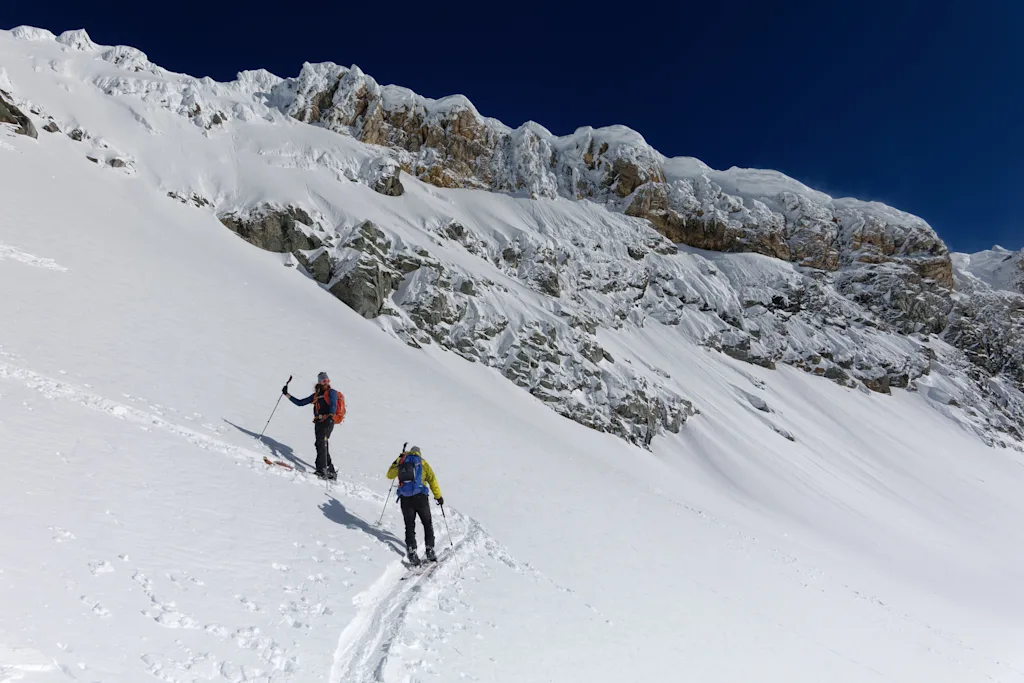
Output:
(557, 360)
(763, 312)
(318, 264)
(279, 230)
(697, 214)
(988, 326)
(449, 144)
(384, 176)
(855, 292)
(363, 284)
(360, 276)
(11, 114)
(885, 254)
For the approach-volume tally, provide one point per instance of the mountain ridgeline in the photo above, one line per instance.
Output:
(535, 254)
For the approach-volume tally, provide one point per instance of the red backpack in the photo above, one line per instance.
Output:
(339, 414)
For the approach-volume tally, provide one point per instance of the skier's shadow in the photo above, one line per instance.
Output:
(336, 512)
(279, 449)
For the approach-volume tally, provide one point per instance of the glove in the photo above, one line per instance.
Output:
(440, 501)
(284, 390)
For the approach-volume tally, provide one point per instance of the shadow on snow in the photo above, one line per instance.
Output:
(279, 449)
(336, 512)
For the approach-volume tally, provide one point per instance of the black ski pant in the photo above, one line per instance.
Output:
(412, 506)
(323, 431)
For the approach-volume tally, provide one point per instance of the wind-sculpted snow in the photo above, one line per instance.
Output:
(518, 249)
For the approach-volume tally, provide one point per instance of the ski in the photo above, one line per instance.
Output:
(277, 462)
(424, 567)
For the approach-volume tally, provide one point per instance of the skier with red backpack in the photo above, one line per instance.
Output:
(328, 410)
(415, 478)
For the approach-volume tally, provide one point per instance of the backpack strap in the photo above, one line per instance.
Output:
(316, 404)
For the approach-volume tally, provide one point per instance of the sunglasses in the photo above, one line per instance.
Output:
(325, 381)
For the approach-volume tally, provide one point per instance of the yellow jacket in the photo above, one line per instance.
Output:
(428, 475)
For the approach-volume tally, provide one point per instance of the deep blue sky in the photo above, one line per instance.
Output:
(918, 104)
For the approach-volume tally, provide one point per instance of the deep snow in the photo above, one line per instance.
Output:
(143, 345)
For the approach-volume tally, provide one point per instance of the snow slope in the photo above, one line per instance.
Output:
(997, 267)
(143, 345)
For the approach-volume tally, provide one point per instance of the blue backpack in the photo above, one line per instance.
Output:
(410, 476)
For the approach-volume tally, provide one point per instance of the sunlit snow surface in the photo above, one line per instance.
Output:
(142, 346)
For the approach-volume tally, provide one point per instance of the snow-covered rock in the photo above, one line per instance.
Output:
(78, 40)
(9, 113)
(524, 251)
(279, 230)
(997, 267)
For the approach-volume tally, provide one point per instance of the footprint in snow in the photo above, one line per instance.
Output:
(61, 535)
(176, 579)
(281, 567)
(145, 582)
(216, 629)
(167, 615)
(98, 567)
(248, 604)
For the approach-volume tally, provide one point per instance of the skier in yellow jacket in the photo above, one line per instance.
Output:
(414, 477)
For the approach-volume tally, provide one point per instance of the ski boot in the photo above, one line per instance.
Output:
(429, 555)
(414, 559)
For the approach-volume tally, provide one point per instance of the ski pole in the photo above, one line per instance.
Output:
(449, 532)
(385, 504)
(275, 408)
(389, 492)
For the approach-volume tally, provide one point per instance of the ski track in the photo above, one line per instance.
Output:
(13, 254)
(65, 391)
(366, 642)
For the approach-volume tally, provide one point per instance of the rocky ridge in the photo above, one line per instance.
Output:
(768, 271)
